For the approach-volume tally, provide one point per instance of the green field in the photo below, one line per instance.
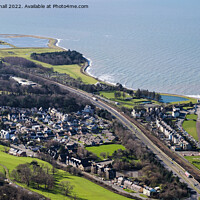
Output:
(82, 187)
(110, 149)
(192, 116)
(129, 104)
(128, 190)
(2, 169)
(73, 70)
(187, 108)
(142, 195)
(110, 95)
(195, 160)
(190, 127)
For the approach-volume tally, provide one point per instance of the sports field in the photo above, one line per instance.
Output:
(108, 149)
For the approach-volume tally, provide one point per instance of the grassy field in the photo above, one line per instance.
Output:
(73, 70)
(12, 161)
(187, 108)
(110, 148)
(142, 195)
(2, 169)
(195, 160)
(128, 190)
(82, 187)
(111, 96)
(192, 116)
(129, 104)
(190, 127)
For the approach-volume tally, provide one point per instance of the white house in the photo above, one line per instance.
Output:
(5, 135)
(127, 184)
(87, 109)
(136, 188)
(148, 191)
(176, 112)
(135, 114)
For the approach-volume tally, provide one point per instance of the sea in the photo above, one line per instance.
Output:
(146, 44)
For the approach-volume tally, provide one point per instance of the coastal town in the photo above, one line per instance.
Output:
(28, 130)
(71, 133)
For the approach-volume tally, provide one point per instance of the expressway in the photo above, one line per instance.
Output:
(166, 160)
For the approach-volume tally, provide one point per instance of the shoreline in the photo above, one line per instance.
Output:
(54, 43)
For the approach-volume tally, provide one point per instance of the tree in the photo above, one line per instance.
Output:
(157, 97)
(103, 154)
(138, 93)
(124, 95)
(131, 93)
(79, 79)
(24, 173)
(119, 86)
(66, 188)
(54, 170)
(115, 94)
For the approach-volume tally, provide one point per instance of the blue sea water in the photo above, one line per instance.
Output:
(147, 44)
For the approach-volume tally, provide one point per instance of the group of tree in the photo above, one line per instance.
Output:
(146, 94)
(11, 192)
(60, 58)
(104, 114)
(118, 94)
(60, 102)
(22, 62)
(82, 153)
(47, 94)
(125, 160)
(40, 176)
(10, 86)
(153, 173)
(34, 174)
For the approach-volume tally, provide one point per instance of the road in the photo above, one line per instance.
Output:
(167, 161)
(21, 147)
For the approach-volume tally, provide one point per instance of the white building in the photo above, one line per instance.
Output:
(88, 109)
(176, 112)
(5, 135)
(148, 191)
(136, 114)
